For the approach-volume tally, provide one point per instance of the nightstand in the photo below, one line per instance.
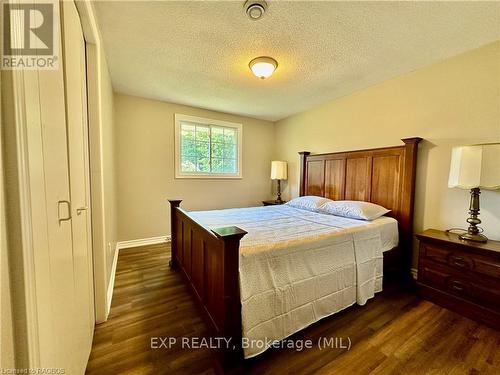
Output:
(462, 276)
(272, 203)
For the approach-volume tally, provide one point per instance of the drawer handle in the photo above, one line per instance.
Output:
(460, 262)
(457, 285)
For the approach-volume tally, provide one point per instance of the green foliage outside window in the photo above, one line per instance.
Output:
(208, 149)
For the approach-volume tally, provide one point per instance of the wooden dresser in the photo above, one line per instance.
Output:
(460, 275)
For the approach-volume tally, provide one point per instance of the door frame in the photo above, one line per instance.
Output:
(20, 243)
(93, 51)
(22, 251)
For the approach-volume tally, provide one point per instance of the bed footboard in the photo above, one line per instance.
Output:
(209, 262)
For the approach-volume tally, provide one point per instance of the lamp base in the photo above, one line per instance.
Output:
(473, 237)
(278, 198)
(473, 232)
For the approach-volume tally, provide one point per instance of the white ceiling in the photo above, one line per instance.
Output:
(197, 53)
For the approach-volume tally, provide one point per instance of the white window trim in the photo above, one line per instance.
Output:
(207, 175)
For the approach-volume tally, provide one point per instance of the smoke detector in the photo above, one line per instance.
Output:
(255, 9)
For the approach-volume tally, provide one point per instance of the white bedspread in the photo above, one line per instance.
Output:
(297, 266)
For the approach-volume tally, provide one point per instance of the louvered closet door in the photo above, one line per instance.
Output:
(77, 128)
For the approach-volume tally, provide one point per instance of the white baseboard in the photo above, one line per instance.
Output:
(143, 242)
(414, 273)
(111, 283)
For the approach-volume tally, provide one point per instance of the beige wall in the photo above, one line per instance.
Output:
(109, 162)
(454, 102)
(145, 165)
(103, 177)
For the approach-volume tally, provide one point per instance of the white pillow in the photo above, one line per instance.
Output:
(353, 209)
(308, 202)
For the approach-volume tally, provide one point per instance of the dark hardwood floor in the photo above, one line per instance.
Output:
(395, 333)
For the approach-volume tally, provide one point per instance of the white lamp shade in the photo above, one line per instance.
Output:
(475, 166)
(279, 170)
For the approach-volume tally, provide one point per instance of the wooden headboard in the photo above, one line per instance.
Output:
(385, 176)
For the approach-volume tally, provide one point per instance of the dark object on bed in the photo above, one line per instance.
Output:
(209, 259)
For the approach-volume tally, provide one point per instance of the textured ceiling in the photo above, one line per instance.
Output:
(197, 53)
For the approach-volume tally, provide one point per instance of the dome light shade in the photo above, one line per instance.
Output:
(263, 66)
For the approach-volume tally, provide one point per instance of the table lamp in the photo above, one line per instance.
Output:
(279, 172)
(475, 167)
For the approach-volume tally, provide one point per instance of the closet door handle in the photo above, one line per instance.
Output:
(80, 210)
(68, 206)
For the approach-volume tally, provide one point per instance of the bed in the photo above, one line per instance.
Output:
(267, 272)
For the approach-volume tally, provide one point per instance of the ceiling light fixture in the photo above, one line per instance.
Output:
(263, 66)
(255, 9)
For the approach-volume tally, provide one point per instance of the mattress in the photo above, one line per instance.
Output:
(298, 266)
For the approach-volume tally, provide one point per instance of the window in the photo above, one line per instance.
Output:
(207, 148)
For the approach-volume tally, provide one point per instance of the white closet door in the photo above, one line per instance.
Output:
(77, 126)
(56, 124)
(56, 283)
